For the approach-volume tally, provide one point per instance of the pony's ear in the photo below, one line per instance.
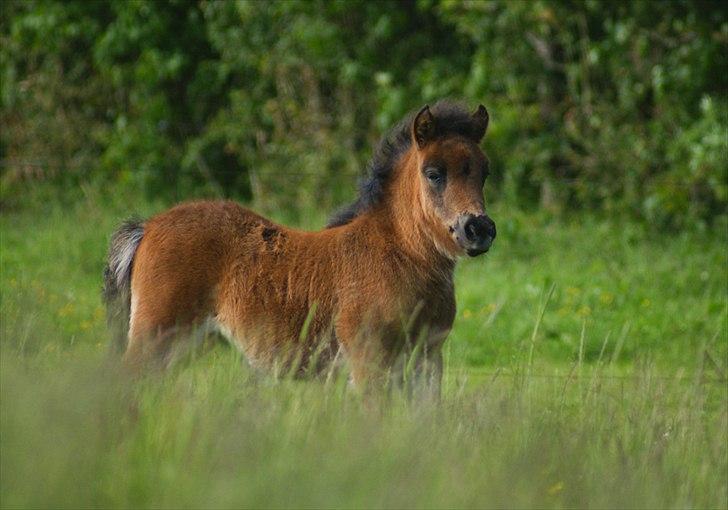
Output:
(423, 127)
(480, 122)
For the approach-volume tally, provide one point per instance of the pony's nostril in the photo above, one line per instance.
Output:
(475, 229)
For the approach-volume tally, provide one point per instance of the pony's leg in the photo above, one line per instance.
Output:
(365, 356)
(157, 336)
(427, 380)
(163, 348)
(149, 349)
(164, 319)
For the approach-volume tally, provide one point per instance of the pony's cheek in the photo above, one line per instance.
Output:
(449, 240)
(439, 223)
(448, 246)
(440, 233)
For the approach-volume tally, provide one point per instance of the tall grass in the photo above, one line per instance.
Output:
(211, 435)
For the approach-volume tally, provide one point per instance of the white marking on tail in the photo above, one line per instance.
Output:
(122, 259)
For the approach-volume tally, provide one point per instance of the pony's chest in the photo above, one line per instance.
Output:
(429, 304)
(438, 311)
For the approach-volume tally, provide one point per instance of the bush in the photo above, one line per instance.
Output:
(618, 107)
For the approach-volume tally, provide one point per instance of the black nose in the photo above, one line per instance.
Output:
(479, 232)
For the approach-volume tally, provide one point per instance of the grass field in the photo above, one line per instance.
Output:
(615, 398)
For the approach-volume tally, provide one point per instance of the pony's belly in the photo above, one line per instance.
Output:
(280, 348)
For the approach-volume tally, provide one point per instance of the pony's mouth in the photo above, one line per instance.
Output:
(473, 249)
(474, 252)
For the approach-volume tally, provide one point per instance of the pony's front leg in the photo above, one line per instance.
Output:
(426, 381)
(365, 354)
(366, 365)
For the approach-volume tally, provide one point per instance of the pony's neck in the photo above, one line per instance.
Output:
(409, 219)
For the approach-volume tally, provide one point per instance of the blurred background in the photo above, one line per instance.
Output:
(614, 107)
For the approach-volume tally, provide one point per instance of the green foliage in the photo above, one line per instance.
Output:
(612, 106)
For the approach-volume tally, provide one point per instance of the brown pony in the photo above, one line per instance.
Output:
(374, 288)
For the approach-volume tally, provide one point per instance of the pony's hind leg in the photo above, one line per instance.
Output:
(159, 333)
(161, 349)
(149, 350)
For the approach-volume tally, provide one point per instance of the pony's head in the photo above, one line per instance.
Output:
(451, 170)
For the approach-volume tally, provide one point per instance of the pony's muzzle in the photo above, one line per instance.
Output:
(475, 234)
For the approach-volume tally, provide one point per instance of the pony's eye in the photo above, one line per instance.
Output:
(434, 175)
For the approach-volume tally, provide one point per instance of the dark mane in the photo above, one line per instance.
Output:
(452, 118)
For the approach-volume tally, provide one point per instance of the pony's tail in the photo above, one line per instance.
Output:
(117, 280)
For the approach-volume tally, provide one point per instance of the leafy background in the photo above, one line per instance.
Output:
(616, 107)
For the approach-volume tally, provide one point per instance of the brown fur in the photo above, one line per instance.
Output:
(371, 287)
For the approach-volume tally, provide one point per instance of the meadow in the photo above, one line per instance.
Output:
(586, 368)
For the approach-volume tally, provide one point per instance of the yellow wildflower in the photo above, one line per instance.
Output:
(555, 488)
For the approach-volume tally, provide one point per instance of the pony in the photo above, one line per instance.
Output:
(373, 288)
